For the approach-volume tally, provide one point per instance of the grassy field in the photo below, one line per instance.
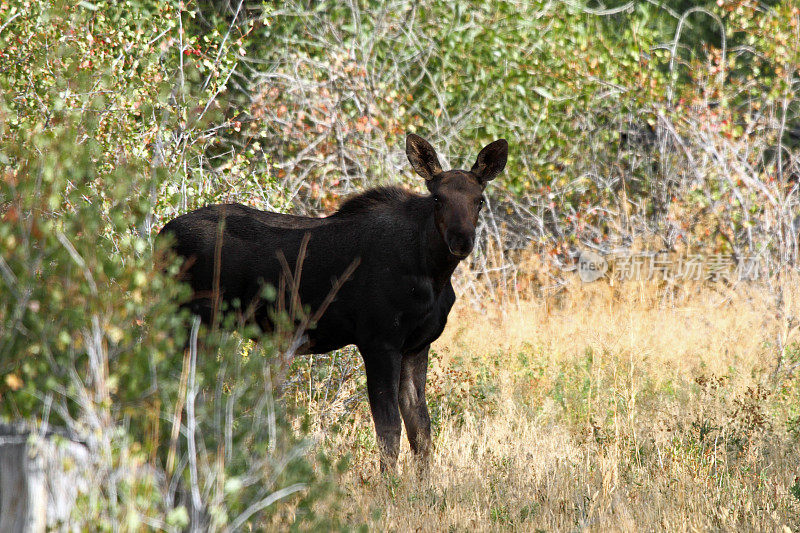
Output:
(601, 409)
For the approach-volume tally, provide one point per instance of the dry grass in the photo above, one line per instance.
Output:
(604, 409)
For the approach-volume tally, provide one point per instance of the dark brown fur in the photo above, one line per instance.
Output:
(394, 304)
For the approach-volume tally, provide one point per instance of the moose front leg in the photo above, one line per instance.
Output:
(413, 373)
(383, 382)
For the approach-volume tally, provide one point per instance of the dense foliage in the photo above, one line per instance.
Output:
(101, 135)
(666, 124)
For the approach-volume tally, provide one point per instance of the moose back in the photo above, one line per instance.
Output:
(377, 272)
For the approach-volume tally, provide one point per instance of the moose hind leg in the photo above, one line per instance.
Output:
(383, 381)
(413, 406)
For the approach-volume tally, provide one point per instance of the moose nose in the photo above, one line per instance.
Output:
(460, 245)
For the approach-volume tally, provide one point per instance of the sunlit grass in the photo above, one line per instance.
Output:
(602, 409)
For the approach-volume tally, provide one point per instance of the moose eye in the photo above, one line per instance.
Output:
(436, 199)
(480, 202)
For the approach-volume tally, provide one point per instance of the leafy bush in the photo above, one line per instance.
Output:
(631, 123)
(91, 337)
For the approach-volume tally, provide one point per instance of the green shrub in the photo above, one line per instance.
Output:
(98, 118)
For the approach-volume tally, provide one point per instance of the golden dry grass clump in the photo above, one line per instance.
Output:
(603, 408)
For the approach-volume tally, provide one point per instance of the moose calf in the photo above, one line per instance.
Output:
(392, 305)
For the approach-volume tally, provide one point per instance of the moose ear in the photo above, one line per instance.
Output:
(491, 161)
(422, 157)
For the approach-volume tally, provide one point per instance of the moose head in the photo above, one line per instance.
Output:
(457, 195)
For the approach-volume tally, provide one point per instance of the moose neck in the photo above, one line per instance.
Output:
(437, 261)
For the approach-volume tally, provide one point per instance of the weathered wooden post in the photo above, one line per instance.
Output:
(41, 475)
